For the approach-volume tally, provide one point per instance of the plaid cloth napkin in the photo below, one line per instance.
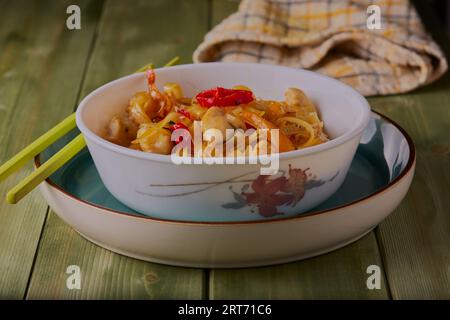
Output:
(331, 37)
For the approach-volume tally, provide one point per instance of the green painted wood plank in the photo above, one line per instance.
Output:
(341, 274)
(132, 36)
(37, 89)
(337, 275)
(129, 36)
(222, 9)
(104, 274)
(415, 239)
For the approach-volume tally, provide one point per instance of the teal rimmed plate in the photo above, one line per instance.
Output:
(377, 181)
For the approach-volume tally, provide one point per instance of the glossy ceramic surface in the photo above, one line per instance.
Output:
(80, 178)
(378, 180)
(152, 184)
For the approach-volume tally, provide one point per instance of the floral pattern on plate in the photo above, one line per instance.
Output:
(268, 194)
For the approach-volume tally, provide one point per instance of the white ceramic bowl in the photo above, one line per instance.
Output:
(153, 185)
(377, 182)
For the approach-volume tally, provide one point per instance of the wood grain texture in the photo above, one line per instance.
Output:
(341, 274)
(337, 275)
(41, 68)
(104, 274)
(129, 37)
(415, 239)
(37, 89)
(220, 9)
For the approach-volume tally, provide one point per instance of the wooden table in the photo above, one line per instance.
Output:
(45, 69)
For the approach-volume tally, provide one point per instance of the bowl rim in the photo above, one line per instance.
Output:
(357, 128)
(408, 168)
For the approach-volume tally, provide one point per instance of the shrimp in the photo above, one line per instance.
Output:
(162, 101)
(150, 106)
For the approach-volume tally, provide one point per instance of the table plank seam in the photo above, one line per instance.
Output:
(381, 254)
(77, 99)
(206, 294)
(36, 254)
(411, 264)
(89, 55)
(110, 274)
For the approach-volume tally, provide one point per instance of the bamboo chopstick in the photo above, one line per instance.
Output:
(36, 147)
(45, 170)
(56, 161)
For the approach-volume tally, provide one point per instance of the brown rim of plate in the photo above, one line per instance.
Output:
(409, 165)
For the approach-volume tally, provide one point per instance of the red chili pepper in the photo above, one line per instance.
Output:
(222, 97)
(177, 126)
(249, 126)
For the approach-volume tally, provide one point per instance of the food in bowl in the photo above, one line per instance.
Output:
(151, 116)
(154, 185)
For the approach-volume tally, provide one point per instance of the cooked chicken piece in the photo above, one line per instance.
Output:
(158, 141)
(196, 111)
(173, 89)
(215, 118)
(236, 122)
(296, 97)
(121, 130)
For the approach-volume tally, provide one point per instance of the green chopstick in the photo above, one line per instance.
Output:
(36, 147)
(45, 170)
(56, 161)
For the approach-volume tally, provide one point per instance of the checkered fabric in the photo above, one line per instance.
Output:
(331, 37)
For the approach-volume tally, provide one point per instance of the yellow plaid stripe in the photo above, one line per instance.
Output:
(331, 36)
